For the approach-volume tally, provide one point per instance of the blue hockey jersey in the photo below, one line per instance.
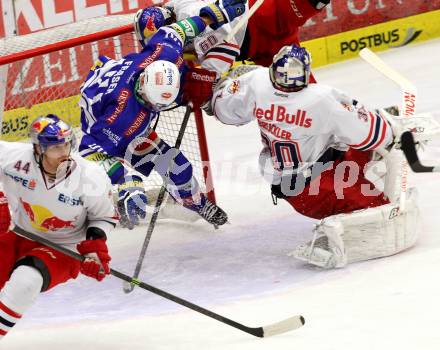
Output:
(112, 115)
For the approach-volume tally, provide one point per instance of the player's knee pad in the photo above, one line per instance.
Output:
(362, 235)
(37, 264)
(22, 289)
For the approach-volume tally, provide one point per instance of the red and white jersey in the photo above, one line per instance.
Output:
(212, 51)
(298, 128)
(61, 211)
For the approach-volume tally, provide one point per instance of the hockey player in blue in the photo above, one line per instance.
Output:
(121, 98)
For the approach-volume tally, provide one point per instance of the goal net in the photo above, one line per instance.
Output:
(42, 72)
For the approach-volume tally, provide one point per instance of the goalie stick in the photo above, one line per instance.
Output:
(408, 147)
(408, 106)
(286, 325)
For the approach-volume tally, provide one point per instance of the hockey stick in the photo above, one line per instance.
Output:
(286, 325)
(128, 287)
(408, 147)
(408, 106)
(243, 20)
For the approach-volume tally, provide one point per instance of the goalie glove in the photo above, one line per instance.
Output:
(423, 126)
(132, 202)
(148, 20)
(223, 11)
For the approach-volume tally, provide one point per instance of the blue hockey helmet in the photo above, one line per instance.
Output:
(148, 20)
(50, 130)
(290, 68)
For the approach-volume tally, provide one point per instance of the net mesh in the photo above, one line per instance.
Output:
(50, 83)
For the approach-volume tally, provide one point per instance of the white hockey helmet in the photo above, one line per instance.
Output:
(159, 84)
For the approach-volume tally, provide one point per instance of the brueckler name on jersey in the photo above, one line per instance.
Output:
(278, 114)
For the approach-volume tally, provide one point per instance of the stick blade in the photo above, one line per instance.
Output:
(127, 287)
(284, 326)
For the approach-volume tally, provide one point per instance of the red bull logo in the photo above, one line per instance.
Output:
(43, 220)
(150, 27)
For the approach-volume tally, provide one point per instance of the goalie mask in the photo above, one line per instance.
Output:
(50, 130)
(159, 84)
(290, 69)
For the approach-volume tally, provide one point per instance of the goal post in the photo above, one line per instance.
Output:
(42, 73)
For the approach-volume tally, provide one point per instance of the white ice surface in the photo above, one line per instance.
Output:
(242, 270)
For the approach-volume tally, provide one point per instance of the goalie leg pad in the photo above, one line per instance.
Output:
(362, 235)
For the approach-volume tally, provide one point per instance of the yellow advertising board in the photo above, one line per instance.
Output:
(379, 37)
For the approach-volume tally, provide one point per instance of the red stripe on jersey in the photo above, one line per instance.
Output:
(231, 45)
(221, 58)
(370, 134)
(2, 332)
(8, 311)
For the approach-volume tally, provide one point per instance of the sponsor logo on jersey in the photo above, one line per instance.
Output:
(363, 114)
(63, 198)
(279, 114)
(151, 58)
(347, 106)
(43, 220)
(122, 99)
(115, 139)
(136, 124)
(234, 87)
(30, 184)
(295, 9)
(179, 61)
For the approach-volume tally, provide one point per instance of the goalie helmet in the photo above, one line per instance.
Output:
(290, 69)
(148, 20)
(50, 130)
(159, 84)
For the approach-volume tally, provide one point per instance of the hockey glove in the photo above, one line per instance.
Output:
(96, 264)
(148, 20)
(223, 11)
(132, 202)
(198, 86)
(5, 215)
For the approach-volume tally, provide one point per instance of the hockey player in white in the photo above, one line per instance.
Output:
(317, 143)
(59, 196)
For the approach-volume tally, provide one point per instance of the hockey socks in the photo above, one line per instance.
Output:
(18, 294)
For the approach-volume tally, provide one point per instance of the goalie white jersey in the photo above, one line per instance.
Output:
(298, 128)
(62, 211)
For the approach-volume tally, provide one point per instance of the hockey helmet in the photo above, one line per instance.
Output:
(159, 84)
(290, 68)
(50, 130)
(148, 20)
